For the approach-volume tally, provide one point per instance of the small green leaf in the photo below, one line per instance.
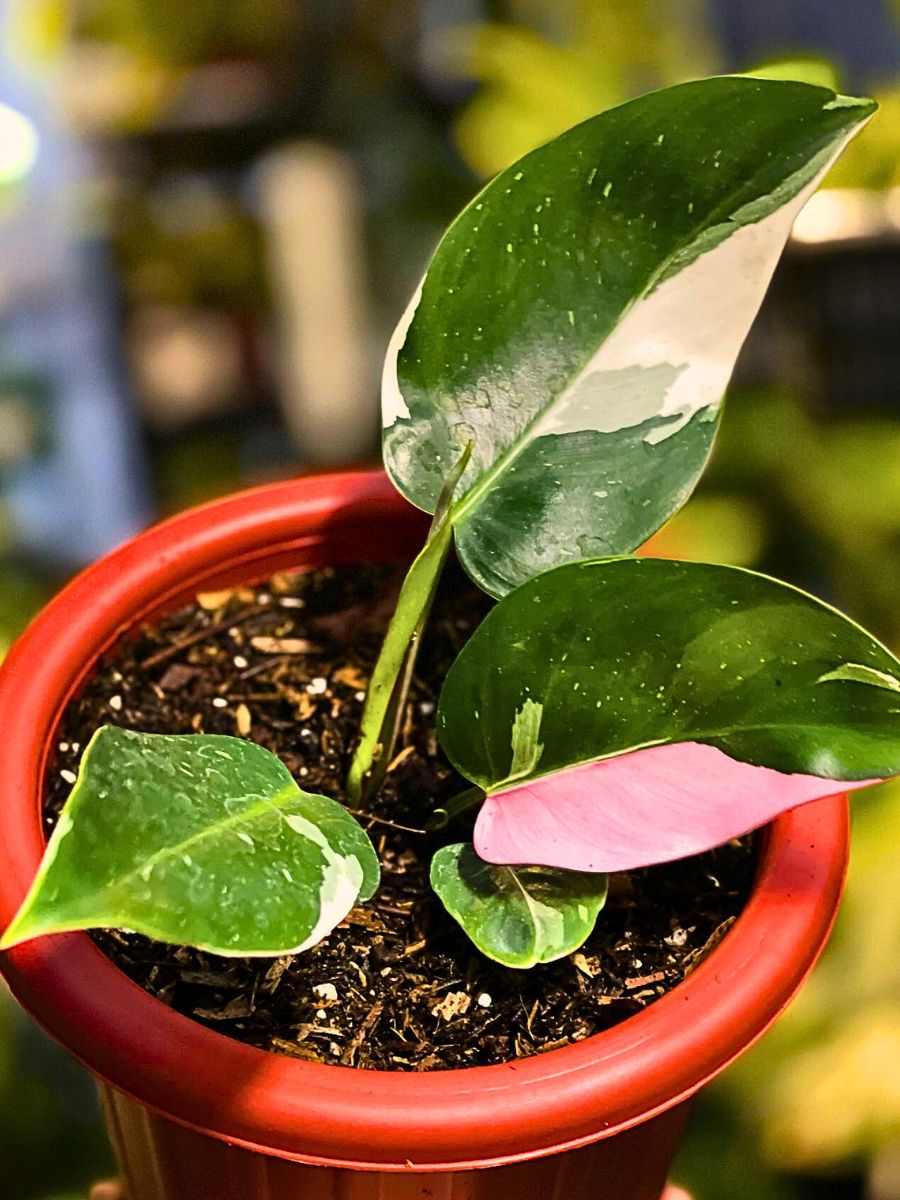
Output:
(519, 916)
(581, 317)
(630, 653)
(200, 840)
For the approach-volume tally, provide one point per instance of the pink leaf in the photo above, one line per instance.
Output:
(646, 807)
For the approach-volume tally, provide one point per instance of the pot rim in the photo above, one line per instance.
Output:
(327, 1114)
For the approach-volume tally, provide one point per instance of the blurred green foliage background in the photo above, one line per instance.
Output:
(179, 113)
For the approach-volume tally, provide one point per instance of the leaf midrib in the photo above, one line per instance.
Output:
(278, 801)
(535, 948)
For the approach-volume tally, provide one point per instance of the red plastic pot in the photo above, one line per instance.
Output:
(195, 1115)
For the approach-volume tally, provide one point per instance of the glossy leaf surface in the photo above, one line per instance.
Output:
(518, 916)
(624, 655)
(581, 318)
(204, 840)
(633, 810)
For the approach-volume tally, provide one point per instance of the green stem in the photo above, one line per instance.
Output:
(391, 678)
(455, 807)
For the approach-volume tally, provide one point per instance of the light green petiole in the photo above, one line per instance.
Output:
(391, 678)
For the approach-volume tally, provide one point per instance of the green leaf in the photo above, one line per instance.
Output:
(580, 319)
(628, 653)
(518, 916)
(202, 840)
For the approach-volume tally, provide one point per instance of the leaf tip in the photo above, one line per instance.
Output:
(864, 103)
(21, 929)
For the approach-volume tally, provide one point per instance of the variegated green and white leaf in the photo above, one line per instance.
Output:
(630, 711)
(204, 840)
(519, 916)
(581, 318)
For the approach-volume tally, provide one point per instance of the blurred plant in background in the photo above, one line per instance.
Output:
(51, 1142)
(549, 66)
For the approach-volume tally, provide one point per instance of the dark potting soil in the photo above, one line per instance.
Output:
(397, 985)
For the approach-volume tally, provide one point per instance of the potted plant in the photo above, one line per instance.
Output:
(550, 398)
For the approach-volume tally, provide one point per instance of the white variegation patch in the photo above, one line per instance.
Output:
(393, 406)
(342, 879)
(673, 353)
(858, 673)
(63, 829)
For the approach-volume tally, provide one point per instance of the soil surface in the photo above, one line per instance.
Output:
(397, 985)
